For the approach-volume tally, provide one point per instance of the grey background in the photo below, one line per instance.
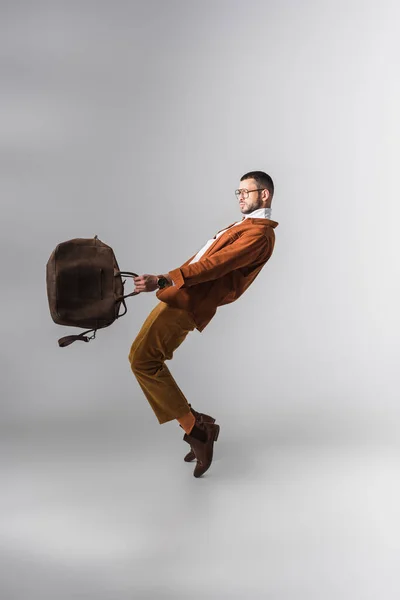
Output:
(134, 121)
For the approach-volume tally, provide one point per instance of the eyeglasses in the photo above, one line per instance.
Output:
(245, 193)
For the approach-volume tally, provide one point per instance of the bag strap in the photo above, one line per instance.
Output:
(69, 339)
(131, 294)
(126, 308)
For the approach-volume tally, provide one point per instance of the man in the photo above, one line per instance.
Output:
(189, 296)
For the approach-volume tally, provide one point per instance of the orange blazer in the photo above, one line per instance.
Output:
(224, 271)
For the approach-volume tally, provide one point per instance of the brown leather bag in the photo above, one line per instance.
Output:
(85, 287)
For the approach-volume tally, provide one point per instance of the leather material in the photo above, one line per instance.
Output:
(203, 450)
(202, 417)
(84, 286)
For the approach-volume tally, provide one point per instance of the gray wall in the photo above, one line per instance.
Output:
(135, 121)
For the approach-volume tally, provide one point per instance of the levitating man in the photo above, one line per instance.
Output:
(189, 297)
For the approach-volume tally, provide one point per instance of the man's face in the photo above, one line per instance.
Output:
(254, 199)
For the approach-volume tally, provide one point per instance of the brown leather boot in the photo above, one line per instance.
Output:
(203, 449)
(202, 417)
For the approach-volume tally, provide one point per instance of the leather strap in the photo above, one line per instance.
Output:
(70, 339)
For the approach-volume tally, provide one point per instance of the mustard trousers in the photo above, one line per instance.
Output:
(162, 332)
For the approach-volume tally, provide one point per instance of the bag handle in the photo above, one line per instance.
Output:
(127, 274)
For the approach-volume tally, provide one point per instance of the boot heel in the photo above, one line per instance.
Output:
(216, 432)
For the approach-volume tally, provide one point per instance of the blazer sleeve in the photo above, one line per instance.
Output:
(244, 251)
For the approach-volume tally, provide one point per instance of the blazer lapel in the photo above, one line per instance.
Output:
(213, 244)
(229, 226)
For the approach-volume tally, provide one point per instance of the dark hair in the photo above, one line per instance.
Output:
(262, 180)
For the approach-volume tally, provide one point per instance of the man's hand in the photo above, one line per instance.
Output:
(148, 283)
(145, 283)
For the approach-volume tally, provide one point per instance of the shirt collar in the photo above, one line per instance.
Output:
(260, 213)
